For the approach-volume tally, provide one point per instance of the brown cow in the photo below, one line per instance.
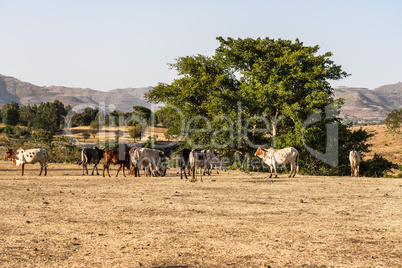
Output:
(113, 156)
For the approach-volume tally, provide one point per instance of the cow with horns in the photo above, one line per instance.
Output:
(21, 157)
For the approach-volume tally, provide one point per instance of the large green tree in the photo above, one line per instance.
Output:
(50, 116)
(253, 92)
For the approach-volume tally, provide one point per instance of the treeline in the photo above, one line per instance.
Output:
(32, 126)
(47, 116)
(51, 116)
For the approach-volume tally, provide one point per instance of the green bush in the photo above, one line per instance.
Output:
(376, 167)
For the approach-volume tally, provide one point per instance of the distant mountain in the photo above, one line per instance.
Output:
(362, 104)
(12, 89)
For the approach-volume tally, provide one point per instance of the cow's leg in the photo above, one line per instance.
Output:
(107, 169)
(41, 168)
(22, 169)
(293, 169)
(200, 173)
(357, 170)
(186, 169)
(192, 170)
(275, 170)
(97, 171)
(93, 169)
(123, 171)
(117, 174)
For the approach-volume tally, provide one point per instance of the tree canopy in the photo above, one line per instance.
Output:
(250, 93)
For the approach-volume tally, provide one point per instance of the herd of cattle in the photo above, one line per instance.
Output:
(153, 162)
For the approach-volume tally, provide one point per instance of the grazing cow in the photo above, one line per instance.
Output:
(213, 159)
(117, 158)
(354, 159)
(91, 155)
(273, 158)
(153, 161)
(184, 163)
(197, 160)
(30, 156)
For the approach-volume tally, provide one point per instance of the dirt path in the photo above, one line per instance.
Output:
(233, 219)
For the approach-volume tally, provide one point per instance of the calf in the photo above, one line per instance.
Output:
(354, 159)
(273, 158)
(117, 158)
(91, 155)
(30, 156)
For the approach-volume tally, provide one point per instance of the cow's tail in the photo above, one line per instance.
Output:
(297, 164)
(83, 158)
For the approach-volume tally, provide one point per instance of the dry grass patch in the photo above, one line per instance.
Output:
(234, 219)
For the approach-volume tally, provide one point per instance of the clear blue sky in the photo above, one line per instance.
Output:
(105, 45)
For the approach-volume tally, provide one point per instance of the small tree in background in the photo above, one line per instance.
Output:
(394, 121)
(85, 135)
(136, 132)
(94, 127)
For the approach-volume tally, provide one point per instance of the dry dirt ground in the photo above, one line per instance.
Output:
(234, 219)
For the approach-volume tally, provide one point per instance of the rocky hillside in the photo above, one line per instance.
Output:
(12, 89)
(362, 104)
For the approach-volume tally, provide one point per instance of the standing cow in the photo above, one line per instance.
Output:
(273, 158)
(30, 156)
(197, 159)
(213, 159)
(184, 163)
(91, 155)
(118, 158)
(354, 159)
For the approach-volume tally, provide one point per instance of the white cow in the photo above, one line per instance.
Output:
(152, 160)
(30, 156)
(354, 159)
(197, 159)
(273, 158)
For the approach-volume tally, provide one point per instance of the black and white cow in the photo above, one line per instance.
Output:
(91, 155)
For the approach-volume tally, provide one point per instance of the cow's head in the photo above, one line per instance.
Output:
(259, 152)
(9, 154)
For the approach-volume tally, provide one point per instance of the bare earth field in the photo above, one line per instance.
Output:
(234, 219)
